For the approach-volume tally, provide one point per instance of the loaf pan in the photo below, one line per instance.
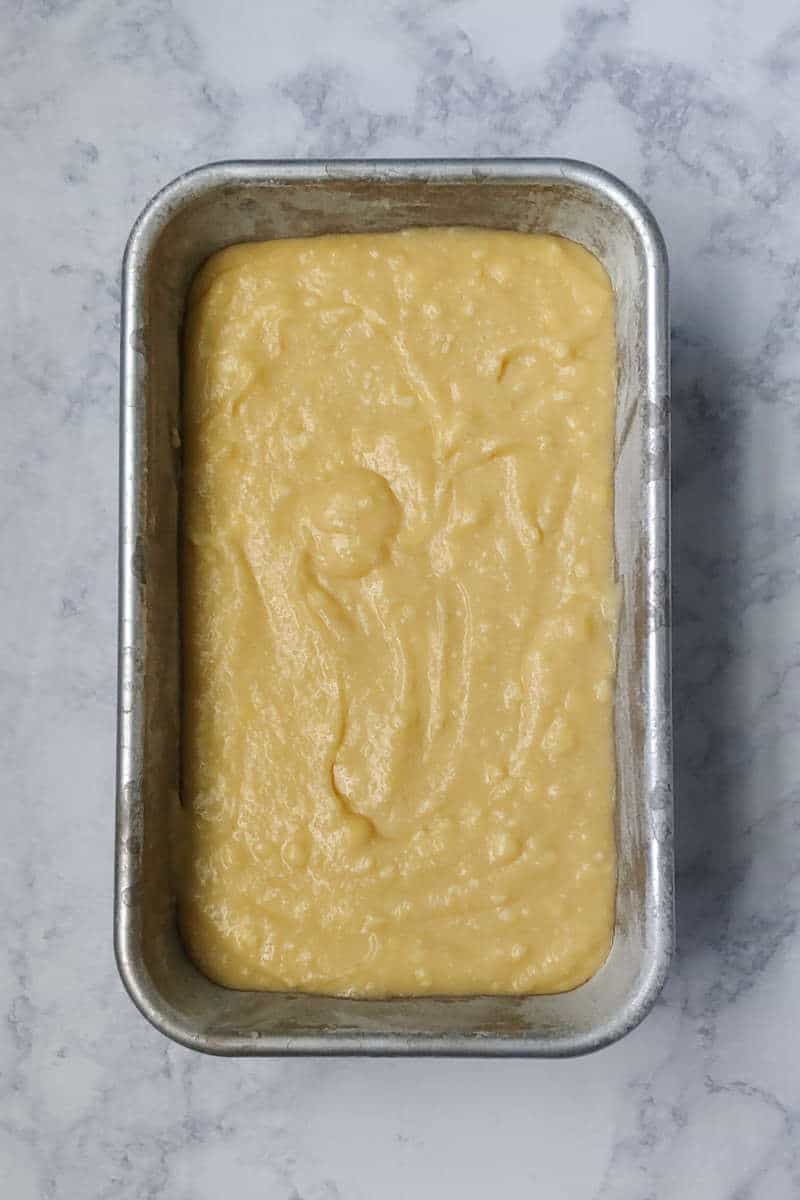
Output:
(193, 217)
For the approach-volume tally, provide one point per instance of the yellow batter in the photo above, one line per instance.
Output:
(399, 615)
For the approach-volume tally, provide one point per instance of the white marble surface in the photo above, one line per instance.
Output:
(695, 103)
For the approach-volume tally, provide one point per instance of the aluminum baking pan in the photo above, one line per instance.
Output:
(189, 220)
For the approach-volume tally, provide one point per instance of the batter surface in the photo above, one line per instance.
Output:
(399, 615)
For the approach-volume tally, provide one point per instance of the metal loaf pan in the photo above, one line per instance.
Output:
(232, 202)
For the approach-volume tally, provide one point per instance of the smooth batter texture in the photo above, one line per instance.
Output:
(399, 615)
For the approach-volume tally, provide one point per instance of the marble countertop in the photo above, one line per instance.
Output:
(693, 103)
